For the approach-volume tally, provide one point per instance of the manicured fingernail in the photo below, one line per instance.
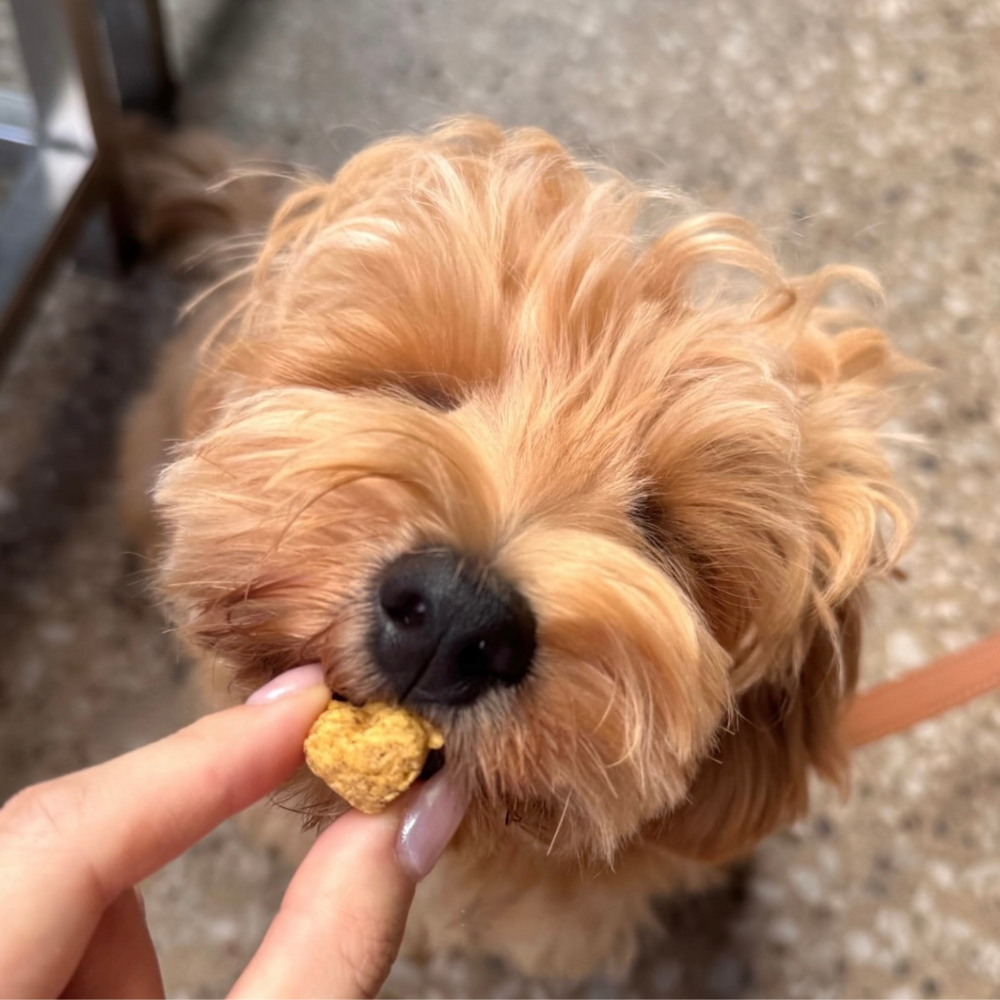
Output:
(288, 683)
(430, 823)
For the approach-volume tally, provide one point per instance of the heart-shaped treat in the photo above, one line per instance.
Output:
(369, 755)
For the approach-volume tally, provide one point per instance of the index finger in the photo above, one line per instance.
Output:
(70, 846)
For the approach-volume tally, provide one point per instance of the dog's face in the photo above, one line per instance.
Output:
(599, 506)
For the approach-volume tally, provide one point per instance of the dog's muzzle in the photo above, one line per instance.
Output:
(445, 636)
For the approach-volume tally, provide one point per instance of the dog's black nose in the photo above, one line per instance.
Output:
(446, 636)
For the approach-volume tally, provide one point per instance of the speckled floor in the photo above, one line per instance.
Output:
(865, 132)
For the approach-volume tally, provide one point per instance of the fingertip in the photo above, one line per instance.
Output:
(292, 682)
(343, 915)
(415, 830)
(369, 837)
(430, 821)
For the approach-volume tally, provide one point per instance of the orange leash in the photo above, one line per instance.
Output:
(922, 694)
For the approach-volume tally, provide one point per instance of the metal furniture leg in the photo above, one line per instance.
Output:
(66, 139)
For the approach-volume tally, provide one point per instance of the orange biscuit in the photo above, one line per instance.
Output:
(369, 755)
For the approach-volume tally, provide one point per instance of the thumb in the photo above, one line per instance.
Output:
(342, 919)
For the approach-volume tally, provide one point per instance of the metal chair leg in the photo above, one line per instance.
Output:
(81, 73)
(137, 42)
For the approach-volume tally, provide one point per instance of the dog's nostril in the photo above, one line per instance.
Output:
(406, 607)
(474, 657)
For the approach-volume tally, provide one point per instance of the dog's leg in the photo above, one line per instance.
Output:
(545, 917)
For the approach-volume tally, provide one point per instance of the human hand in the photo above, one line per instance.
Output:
(72, 850)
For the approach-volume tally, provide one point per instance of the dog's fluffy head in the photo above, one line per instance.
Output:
(471, 340)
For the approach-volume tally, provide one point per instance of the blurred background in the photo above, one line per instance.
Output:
(863, 132)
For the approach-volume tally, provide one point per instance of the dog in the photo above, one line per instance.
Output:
(611, 479)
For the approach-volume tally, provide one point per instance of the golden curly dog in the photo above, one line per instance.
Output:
(576, 472)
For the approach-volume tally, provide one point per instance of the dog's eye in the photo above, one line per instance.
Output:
(433, 393)
(646, 513)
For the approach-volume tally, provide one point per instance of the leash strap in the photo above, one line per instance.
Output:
(922, 694)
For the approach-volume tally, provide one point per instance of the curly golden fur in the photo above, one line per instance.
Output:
(471, 339)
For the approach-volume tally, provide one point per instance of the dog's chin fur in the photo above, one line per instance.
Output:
(469, 339)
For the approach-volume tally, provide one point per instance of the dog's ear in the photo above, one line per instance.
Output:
(756, 778)
(788, 721)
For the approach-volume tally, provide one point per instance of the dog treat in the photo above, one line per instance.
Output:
(369, 755)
